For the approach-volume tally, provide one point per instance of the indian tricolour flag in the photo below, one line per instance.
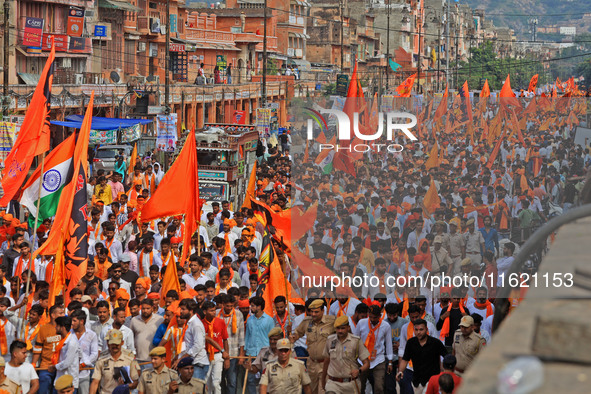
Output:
(56, 173)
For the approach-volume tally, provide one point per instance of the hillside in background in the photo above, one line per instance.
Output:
(516, 13)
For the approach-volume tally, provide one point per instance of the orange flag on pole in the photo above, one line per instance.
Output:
(442, 108)
(532, 84)
(178, 193)
(68, 238)
(405, 87)
(433, 160)
(170, 281)
(132, 159)
(484, 97)
(252, 182)
(507, 95)
(431, 201)
(33, 138)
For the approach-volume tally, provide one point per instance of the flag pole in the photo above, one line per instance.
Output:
(27, 286)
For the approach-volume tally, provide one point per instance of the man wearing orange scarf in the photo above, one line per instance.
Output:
(482, 306)
(450, 318)
(216, 344)
(6, 330)
(407, 332)
(66, 357)
(377, 338)
(235, 327)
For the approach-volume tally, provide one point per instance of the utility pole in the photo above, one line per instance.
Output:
(167, 62)
(388, 49)
(342, 32)
(447, 49)
(420, 20)
(6, 57)
(438, 53)
(264, 79)
(457, 44)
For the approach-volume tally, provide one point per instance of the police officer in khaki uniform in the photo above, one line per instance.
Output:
(106, 367)
(187, 384)
(286, 375)
(317, 327)
(269, 353)
(64, 384)
(7, 384)
(467, 344)
(159, 378)
(340, 360)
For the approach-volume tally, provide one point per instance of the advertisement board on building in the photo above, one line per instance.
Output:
(59, 40)
(263, 122)
(33, 34)
(166, 133)
(342, 84)
(75, 21)
(213, 191)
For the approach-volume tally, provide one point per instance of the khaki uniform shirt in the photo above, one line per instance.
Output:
(466, 348)
(439, 258)
(104, 370)
(456, 245)
(316, 335)
(152, 382)
(285, 380)
(473, 241)
(193, 386)
(10, 386)
(264, 357)
(344, 355)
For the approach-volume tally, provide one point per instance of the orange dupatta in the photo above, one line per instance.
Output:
(445, 328)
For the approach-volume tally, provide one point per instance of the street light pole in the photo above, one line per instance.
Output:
(438, 53)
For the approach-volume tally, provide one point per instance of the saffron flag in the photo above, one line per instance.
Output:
(170, 281)
(68, 238)
(317, 268)
(57, 173)
(302, 222)
(466, 104)
(507, 96)
(484, 95)
(33, 138)
(431, 201)
(433, 160)
(132, 159)
(178, 193)
(278, 223)
(250, 189)
(277, 285)
(442, 108)
(532, 84)
(405, 87)
(354, 104)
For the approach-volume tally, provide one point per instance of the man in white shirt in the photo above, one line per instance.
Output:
(504, 263)
(20, 371)
(381, 355)
(68, 349)
(196, 277)
(118, 323)
(88, 342)
(194, 340)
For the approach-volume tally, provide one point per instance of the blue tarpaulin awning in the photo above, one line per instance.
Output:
(99, 123)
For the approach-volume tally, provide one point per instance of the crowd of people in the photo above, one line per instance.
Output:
(117, 331)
